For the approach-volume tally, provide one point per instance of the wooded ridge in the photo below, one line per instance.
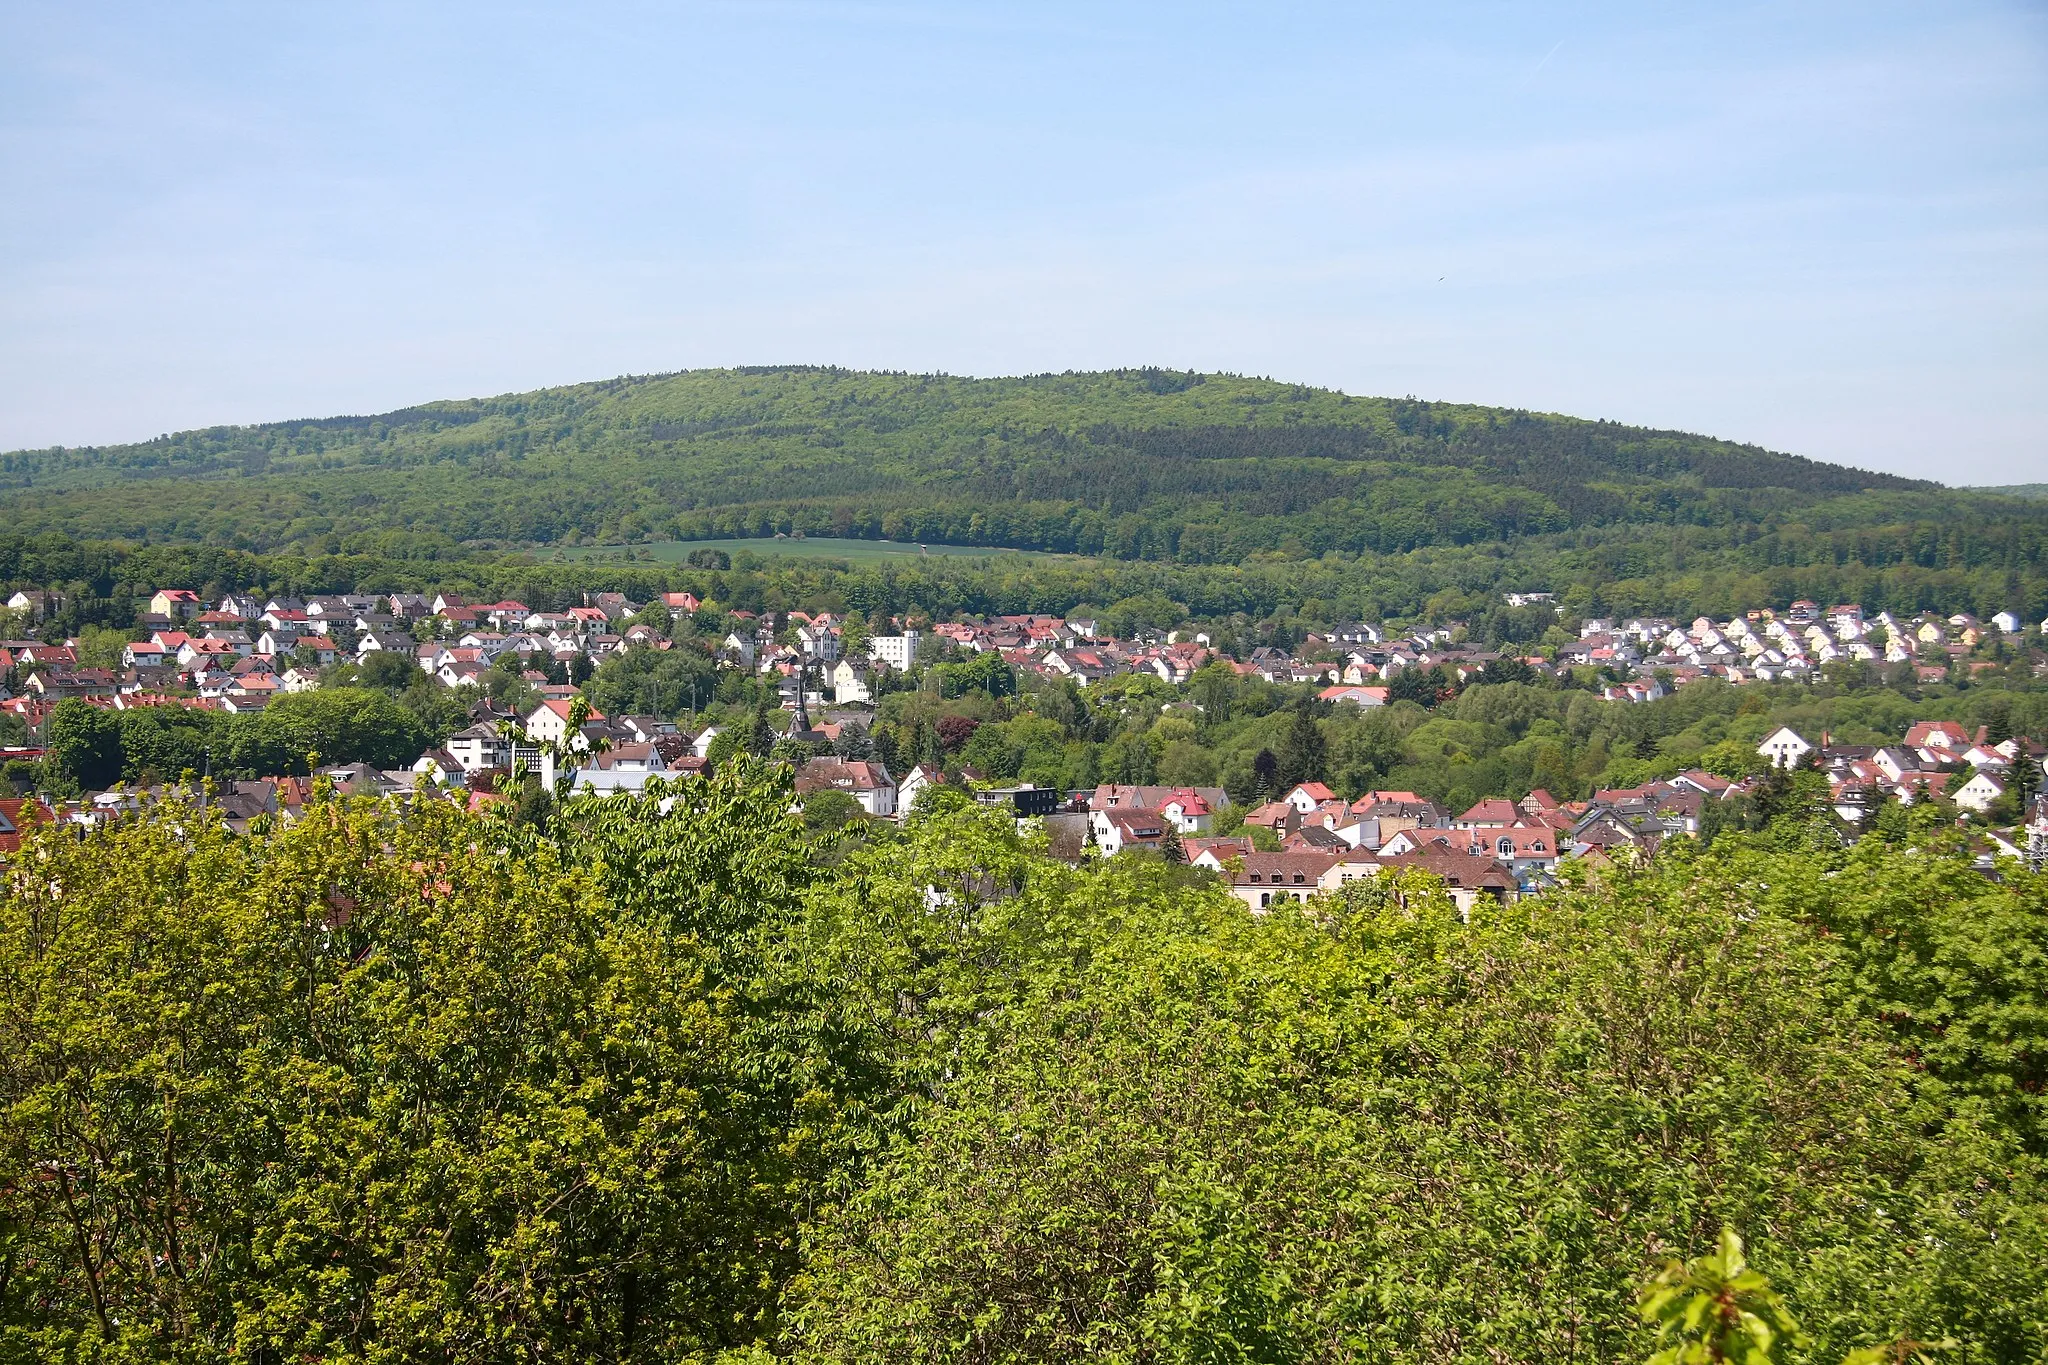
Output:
(1133, 464)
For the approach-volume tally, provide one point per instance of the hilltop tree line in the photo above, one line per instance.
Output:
(1205, 469)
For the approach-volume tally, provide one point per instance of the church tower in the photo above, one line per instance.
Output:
(800, 723)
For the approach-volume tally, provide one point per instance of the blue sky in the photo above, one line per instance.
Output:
(1823, 228)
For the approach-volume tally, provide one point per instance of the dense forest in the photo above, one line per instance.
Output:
(1143, 464)
(675, 1081)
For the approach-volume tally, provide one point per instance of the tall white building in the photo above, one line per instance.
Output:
(897, 651)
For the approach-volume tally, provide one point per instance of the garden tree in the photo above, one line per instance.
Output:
(1303, 753)
(1209, 1138)
(2025, 781)
(854, 635)
(828, 811)
(1129, 758)
(931, 749)
(1266, 769)
(854, 742)
(954, 731)
(727, 744)
(382, 1085)
(1733, 759)
(504, 684)
(163, 742)
(101, 646)
(886, 749)
(1211, 689)
(438, 711)
(1506, 670)
(797, 752)
(533, 805)
(760, 735)
(341, 725)
(656, 682)
(1423, 686)
(1186, 763)
(384, 669)
(83, 743)
(987, 672)
(1366, 746)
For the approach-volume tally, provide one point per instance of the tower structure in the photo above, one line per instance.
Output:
(800, 723)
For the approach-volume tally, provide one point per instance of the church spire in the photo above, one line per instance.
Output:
(801, 722)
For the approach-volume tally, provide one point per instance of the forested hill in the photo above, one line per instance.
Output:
(1140, 464)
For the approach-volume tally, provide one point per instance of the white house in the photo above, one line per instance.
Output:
(1980, 791)
(1189, 812)
(612, 781)
(1134, 827)
(1307, 796)
(914, 782)
(850, 682)
(549, 723)
(820, 640)
(867, 782)
(437, 764)
(897, 651)
(1783, 747)
(144, 654)
(2006, 622)
(385, 641)
(480, 747)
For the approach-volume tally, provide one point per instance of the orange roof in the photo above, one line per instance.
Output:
(1371, 799)
(560, 706)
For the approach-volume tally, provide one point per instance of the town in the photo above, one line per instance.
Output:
(608, 695)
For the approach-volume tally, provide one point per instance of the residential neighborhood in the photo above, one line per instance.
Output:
(516, 679)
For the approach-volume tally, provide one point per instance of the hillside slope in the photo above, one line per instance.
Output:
(1134, 464)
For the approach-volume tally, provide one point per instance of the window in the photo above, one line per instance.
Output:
(1506, 847)
(1265, 899)
(1297, 877)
